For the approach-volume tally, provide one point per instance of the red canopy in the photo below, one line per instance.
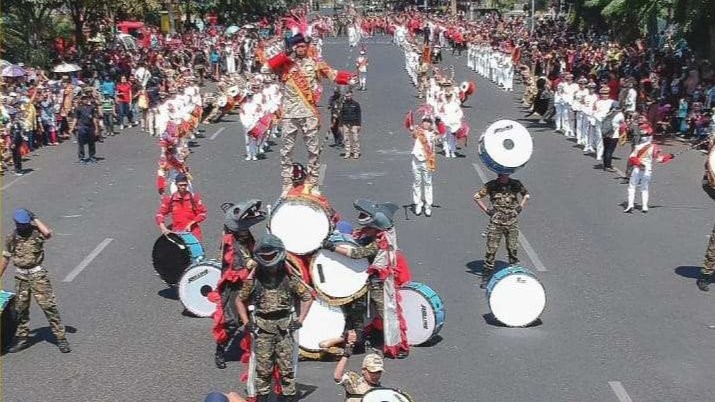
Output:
(125, 26)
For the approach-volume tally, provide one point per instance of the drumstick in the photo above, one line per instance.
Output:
(181, 246)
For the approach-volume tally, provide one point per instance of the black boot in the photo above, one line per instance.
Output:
(18, 345)
(703, 282)
(219, 357)
(63, 345)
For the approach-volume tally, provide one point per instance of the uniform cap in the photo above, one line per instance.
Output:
(21, 216)
(373, 363)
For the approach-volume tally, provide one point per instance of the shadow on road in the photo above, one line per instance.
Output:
(169, 293)
(688, 271)
(476, 267)
(491, 320)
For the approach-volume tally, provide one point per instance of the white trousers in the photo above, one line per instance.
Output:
(422, 182)
(250, 144)
(450, 148)
(639, 177)
(362, 77)
(559, 116)
(509, 80)
(597, 140)
(567, 121)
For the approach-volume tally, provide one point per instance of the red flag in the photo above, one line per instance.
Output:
(409, 120)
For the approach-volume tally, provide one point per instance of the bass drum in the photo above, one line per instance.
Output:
(505, 147)
(516, 297)
(339, 279)
(385, 395)
(322, 322)
(424, 312)
(173, 253)
(196, 284)
(8, 318)
(301, 223)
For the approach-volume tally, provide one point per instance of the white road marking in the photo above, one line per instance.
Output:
(620, 392)
(321, 173)
(620, 172)
(214, 135)
(72, 216)
(87, 260)
(538, 264)
(11, 182)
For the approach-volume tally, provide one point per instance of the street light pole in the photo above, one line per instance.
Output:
(532, 16)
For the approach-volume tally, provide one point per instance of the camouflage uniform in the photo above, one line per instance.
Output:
(300, 114)
(274, 342)
(355, 386)
(709, 264)
(503, 222)
(27, 253)
(355, 311)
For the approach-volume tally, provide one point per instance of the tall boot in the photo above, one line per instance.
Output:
(219, 357)
(644, 198)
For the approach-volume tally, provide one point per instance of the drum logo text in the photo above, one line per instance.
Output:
(199, 275)
(425, 325)
(505, 128)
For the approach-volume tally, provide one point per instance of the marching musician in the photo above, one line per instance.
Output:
(300, 75)
(641, 160)
(377, 242)
(361, 65)
(186, 209)
(505, 208)
(237, 262)
(273, 293)
(423, 165)
(25, 247)
(706, 273)
(357, 384)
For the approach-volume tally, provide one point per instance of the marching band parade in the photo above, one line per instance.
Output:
(297, 281)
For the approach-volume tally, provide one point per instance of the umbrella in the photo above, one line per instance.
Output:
(4, 63)
(66, 68)
(232, 30)
(12, 71)
(249, 26)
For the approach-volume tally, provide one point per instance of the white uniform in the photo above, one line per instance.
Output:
(578, 105)
(361, 64)
(588, 122)
(422, 175)
(602, 107)
(641, 175)
(560, 106)
(450, 112)
(568, 124)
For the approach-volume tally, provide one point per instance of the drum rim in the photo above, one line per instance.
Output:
(546, 299)
(409, 398)
(309, 199)
(437, 327)
(336, 301)
(213, 264)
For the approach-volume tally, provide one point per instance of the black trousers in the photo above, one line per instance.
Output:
(85, 136)
(17, 158)
(609, 146)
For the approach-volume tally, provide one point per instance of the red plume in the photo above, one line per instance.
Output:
(409, 120)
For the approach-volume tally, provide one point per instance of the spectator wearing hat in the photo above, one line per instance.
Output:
(25, 248)
(358, 384)
(186, 209)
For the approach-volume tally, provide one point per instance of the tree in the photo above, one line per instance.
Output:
(696, 19)
(25, 31)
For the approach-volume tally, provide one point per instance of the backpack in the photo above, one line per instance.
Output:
(607, 128)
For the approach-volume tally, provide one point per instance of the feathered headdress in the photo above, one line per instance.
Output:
(298, 24)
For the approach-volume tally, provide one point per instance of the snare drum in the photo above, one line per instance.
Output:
(173, 253)
(8, 317)
(385, 395)
(195, 285)
(339, 279)
(423, 311)
(516, 297)
(322, 322)
(301, 223)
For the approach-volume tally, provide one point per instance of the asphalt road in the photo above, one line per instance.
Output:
(624, 320)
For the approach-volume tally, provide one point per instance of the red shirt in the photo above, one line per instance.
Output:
(183, 209)
(124, 92)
